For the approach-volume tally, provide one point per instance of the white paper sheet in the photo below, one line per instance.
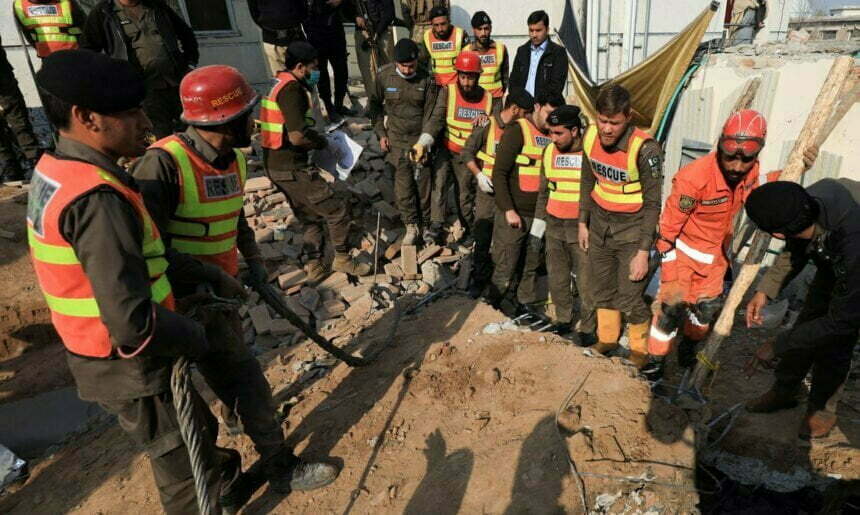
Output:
(340, 156)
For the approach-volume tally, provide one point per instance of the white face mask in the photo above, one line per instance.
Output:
(407, 77)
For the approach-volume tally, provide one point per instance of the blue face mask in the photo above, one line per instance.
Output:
(313, 78)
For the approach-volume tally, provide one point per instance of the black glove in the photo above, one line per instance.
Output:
(257, 273)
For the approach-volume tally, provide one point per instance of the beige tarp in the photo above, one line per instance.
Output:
(653, 81)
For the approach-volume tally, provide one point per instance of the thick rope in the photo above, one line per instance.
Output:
(191, 429)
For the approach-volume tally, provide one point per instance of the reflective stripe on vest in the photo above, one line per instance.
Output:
(617, 187)
(491, 67)
(67, 289)
(460, 116)
(487, 155)
(210, 203)
(529, 158)
(443, 52)
(50, 25)
(272, 119)
(563, 173)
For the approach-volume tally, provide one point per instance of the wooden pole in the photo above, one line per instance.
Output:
(813, 133)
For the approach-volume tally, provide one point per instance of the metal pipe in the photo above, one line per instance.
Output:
(630, 33)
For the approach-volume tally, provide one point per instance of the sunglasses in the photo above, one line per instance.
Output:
(742, 146)
(739, 156)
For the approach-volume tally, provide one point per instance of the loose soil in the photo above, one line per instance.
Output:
(446, 420)
(31, 355)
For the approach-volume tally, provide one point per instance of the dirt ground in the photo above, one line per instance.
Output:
(446, 421)
(31, 356)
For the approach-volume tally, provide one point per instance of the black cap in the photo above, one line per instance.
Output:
(783, 207)
(522, 98)
(91, 80)
(438, 11)
(480, 18)
(565, 115)
(405, 51)
(302, 51)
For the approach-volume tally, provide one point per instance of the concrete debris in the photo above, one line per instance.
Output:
(340, 298)
(12, 468)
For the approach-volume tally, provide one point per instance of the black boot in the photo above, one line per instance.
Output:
(653, 371)
(585, 339)
(687, 353)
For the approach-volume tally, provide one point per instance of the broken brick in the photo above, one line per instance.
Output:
(281, 327)
(428, 252)
(409, 261)
(257, 184)
(386, 209)
(309, 298)
(360, 308)
(293, 278)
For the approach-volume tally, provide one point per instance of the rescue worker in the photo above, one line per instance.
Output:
(193, 186)
(516, 180)
(287, 137)
(15, 127)
(442, 44)
(50, 25)
(494, 55)
(479, 154)
(695, 236)
(557, 213)
(820, 223)
(374, 39)
(406, 116)
(101, 264)
(416, 16)
(465, 101)
(618, 213)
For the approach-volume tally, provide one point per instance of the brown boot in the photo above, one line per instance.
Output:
(638, 359)
(772, 400)
(316, 272)
(638, 336)
(608, 330)
(817, 424)
(605, 348)
(344, 263)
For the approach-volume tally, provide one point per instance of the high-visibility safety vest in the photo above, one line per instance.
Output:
(461, 115)
(563, 173)
(74, 309)
(272, 119)
(442, 54)
(487, 155)
(210, 203)
(491, 67)
(617, 187)
(529, 158)
(50, 25)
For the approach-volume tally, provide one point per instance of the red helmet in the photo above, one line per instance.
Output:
(744, 133)
(215, 95)
(468, 62)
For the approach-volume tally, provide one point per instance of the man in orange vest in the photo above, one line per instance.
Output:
(50, 25)
(494, 55)
(695, 236)
(442, 44)
(516, 180)
(619, 208)
(103, 268)
(466, 103)
(557, 213)
(479, 154)
(287, 137)
(193, 186)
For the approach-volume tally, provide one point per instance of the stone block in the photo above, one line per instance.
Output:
(309, 298)
(409, 261)
(375, 279)
(257, 184)
(329, 310)
(351, 293)
(359, 309)
(292, 278)
(264, 235)
(280, 327)
(261, 319)
(428, 252)
(394, 270)
(275, 199)
(335, 281)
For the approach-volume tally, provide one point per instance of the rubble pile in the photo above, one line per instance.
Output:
(339, 305)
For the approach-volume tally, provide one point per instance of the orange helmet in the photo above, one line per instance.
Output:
(468, 62)
(215, 95)
(744, 133)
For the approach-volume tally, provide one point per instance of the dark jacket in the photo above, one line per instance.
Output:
(323, 19)
(551, 72)
(280, 20)
(380, 12)
(103, 33)
(835, 250)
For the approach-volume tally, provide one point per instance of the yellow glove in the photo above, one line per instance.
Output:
(419, 152)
